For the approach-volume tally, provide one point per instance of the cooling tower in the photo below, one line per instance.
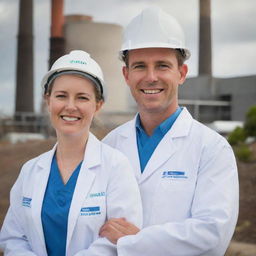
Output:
(103, 42)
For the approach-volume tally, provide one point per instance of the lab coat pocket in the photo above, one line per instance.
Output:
(93, 212)
(174, 180)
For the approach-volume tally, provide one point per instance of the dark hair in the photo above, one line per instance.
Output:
(180, 55)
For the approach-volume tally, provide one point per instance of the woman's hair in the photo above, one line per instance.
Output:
(98, 93)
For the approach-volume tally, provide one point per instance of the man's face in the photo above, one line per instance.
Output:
(153, 76)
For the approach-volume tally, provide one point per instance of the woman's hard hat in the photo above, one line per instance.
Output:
(153, 28)
(76, 62)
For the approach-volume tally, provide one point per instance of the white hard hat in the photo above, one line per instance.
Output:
(76, 62)
(153, 28)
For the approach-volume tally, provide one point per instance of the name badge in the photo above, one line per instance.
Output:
(26, 201)
(174, 175)
(89, 211)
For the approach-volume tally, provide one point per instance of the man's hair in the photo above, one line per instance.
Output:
(180, 55)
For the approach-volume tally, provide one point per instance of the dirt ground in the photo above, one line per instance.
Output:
(13, 156)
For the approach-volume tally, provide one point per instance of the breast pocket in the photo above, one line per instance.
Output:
(174, 181)
(93, 212)
(173, 197)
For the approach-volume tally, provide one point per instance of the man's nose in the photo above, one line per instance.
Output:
(151, 75)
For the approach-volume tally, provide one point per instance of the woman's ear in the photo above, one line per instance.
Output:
(47, 101)
(99, 105)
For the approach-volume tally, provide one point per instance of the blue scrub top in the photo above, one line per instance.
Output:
(147, 144)
(55, 209)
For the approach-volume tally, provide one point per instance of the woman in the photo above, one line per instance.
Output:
(62, 197)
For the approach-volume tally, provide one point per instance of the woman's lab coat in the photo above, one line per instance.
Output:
(189, 191)
(106, 188)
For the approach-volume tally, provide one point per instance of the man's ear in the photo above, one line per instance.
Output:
(183, 73)
(125, 73)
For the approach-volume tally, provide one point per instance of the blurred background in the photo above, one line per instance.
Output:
(220, 90)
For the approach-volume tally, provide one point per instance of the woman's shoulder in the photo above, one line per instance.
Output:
(27, 166)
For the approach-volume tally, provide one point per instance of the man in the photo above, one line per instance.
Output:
(186, 172)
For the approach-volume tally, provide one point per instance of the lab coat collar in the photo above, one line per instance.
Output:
(165, 149)
(129, 145)
(180, 127)
(92, 158)
(167, 146)
(42, 167)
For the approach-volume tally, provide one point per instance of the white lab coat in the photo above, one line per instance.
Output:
(105, 180)
(190, 213)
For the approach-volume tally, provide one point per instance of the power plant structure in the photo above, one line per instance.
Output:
(208, 98)
(24, 98)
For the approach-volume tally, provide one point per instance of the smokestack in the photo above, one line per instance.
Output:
(205, 48)
(57, 42)
(24, 101)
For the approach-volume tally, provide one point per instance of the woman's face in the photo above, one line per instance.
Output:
(72, 105)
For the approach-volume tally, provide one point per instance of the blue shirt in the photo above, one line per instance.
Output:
(55, 209)
(147, 144)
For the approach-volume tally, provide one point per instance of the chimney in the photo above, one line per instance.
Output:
(205, 48)
(57, 41)
(24, 101)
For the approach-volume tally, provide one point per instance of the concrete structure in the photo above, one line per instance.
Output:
(24, 100)
(102, 41)
(210, 98)
(207, 98)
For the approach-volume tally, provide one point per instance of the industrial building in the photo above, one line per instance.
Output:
(208, 98)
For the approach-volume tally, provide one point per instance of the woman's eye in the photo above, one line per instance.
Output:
(60, 96)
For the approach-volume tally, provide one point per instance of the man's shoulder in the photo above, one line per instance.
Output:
(121, 129)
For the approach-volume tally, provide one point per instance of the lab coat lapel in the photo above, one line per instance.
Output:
(43, 167)
(167, 146)
(165, 149)
(92, 158)
(128, 145)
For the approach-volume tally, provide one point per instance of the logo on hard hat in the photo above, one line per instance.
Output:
(78, 62)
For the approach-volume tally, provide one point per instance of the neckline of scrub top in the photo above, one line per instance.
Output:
(57, 173)
(147, 144)
(55, 209)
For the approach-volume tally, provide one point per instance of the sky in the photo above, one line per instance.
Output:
(233, 35)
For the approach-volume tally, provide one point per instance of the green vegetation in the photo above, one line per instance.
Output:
(238, 137)
(250, 122)
(243, 152)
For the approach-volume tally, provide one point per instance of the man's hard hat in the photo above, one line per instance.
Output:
(153, 28)
(76, 62)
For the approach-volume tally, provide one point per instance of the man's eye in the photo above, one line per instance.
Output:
(138, 66)
(164, 66)
(83, 98)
